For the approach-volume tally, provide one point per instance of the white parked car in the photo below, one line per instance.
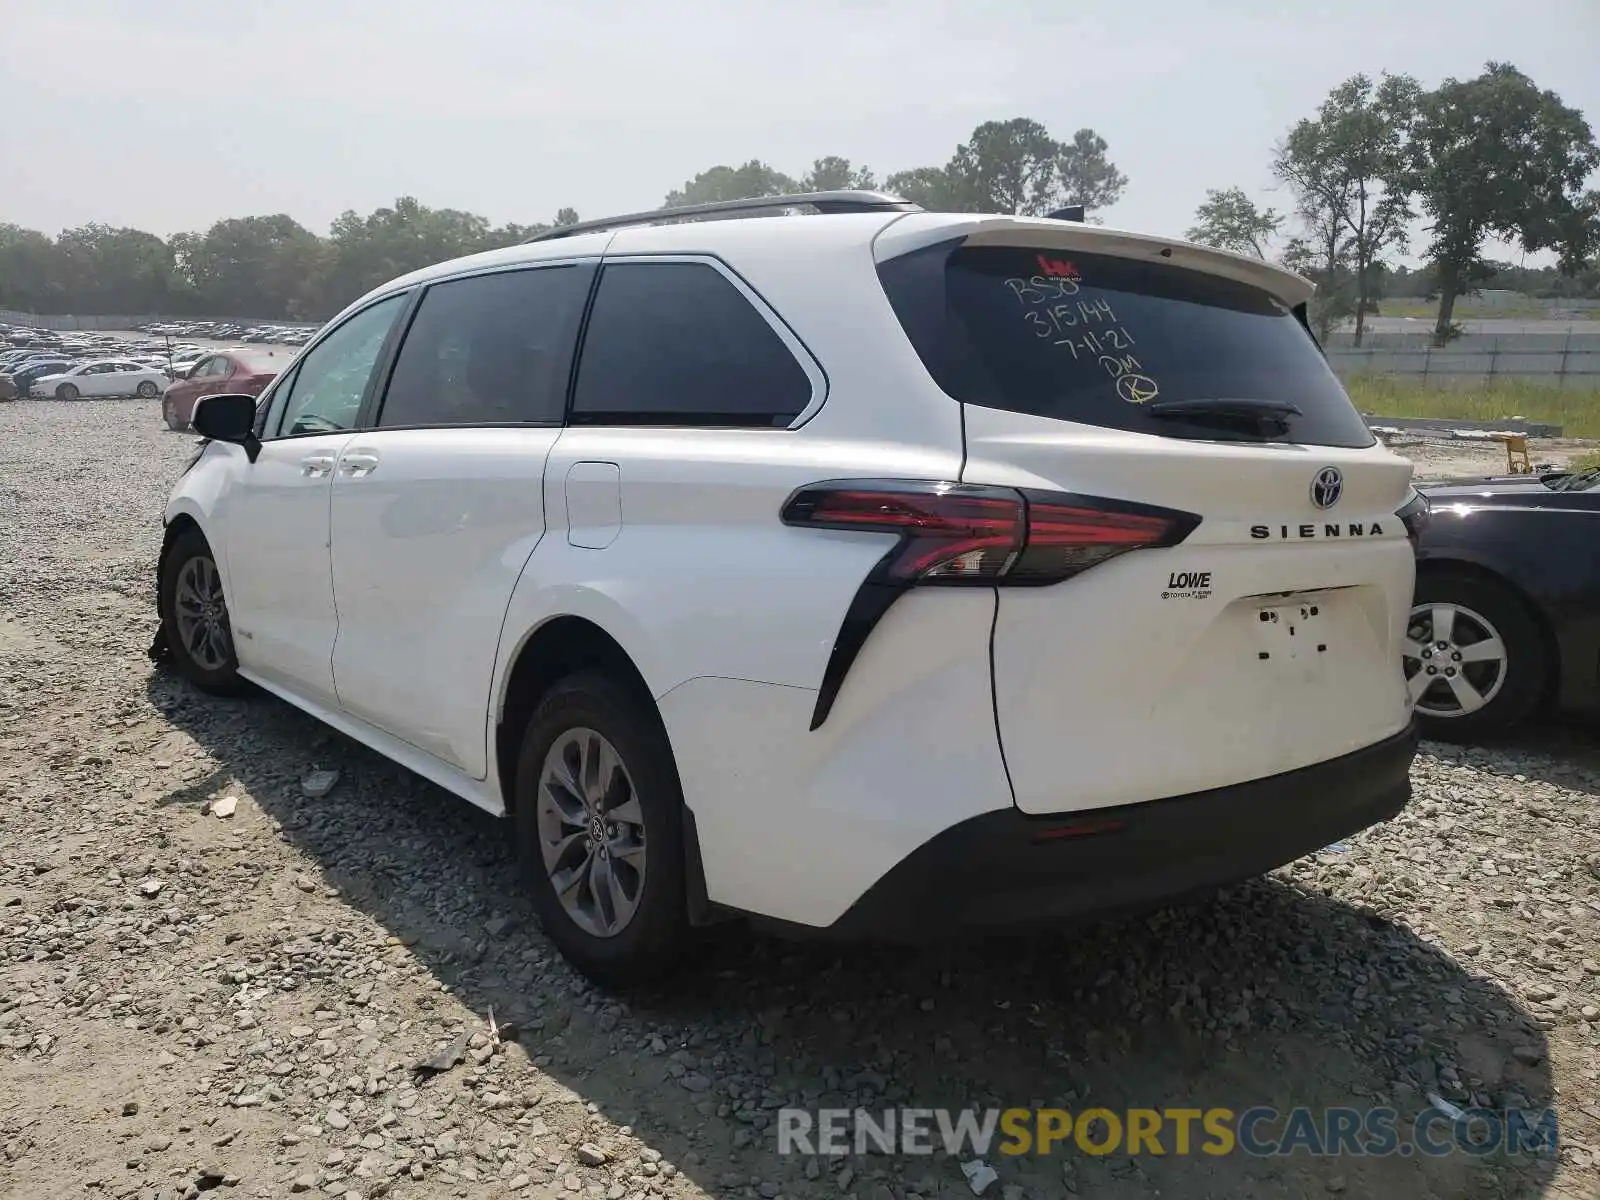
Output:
(102, 377)
(875, 572)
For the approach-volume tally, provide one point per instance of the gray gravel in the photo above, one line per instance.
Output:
(211, 979)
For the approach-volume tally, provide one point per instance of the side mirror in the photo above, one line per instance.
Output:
(228, 417)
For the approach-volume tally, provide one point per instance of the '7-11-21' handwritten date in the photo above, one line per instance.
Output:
(1086, 327)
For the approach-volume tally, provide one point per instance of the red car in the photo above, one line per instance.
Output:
(245, 370)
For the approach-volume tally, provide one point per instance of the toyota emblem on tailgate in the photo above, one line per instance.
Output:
(1325, 488)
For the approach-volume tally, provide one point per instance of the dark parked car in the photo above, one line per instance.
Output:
(1506, 617)
(247, 370)
(37, 368)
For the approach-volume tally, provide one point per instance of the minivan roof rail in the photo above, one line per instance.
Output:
(822, 202)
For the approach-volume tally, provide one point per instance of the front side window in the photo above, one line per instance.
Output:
(326, 394)
(676, 343)
(269, 410)
(489, 350)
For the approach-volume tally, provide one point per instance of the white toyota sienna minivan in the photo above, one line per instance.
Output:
(867, 570)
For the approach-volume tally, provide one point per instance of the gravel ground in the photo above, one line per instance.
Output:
(191, 1000)
(1439, 459)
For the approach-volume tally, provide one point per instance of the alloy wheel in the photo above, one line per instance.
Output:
(1455, 660)
(201, 615)
(591, 832)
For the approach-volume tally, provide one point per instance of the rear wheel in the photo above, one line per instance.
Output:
(67, 392)
(148, 390)
(599, 829)
(1475, 660)
(194, 616)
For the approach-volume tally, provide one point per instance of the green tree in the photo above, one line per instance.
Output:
(1497, 157)
(122, 271)
(1349, 163)
(1007, 166)
(32, 276)
(366, 251)
(1015, 166)
(1322, 255)
(512, 234)
(1230, 220)
(835, 174)
(720, 183)
(249, 266)
(1085, 175)
(930, 187)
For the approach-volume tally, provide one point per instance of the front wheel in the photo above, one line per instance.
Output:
(147, 390)
(67, 392)
(194, 616)
(599, 828)
(169, 414)
(1475, 659)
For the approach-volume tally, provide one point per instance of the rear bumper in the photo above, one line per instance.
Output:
(1002, 870)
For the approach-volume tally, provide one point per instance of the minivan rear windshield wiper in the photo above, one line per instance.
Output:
(1223, 406)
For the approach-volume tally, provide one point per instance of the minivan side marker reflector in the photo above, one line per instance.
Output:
(1081, 829)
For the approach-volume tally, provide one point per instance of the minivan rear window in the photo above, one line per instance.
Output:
(1097, 339)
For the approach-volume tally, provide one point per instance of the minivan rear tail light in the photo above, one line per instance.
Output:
(949, 532)
(962, 534)
(1069, 534)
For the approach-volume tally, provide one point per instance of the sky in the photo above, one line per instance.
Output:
(167, 115)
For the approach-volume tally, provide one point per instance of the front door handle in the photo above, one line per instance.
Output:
(314, 466)
(358, 463)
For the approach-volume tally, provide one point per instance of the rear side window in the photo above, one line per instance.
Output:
(676, 343)
(1097, 338)
(490, 350)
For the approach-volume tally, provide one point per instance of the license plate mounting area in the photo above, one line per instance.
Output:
(1291, 633)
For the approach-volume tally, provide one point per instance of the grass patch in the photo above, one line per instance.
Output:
(1422, 310)
(1585, 462)
(1576, 410)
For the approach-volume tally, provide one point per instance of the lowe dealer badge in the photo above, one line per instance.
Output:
(1326, 486)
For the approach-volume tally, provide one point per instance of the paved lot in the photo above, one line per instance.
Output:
(188, 999)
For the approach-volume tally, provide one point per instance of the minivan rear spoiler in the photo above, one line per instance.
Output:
(913, 231)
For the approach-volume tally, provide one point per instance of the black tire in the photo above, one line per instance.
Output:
(170, 416)
(67, 391)
(653, 941)
(147, 390)
(222, 680)
(1526, 671)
